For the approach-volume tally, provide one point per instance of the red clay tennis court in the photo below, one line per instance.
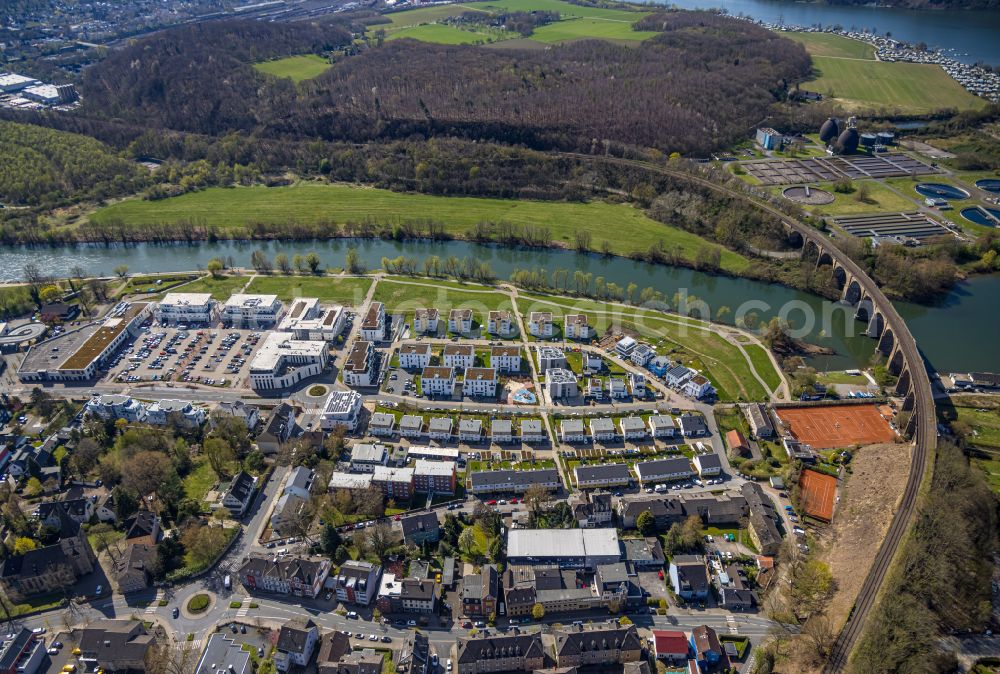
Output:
(817, 494)
(826, 427)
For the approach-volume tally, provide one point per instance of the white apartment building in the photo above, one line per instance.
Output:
(116, 406)
(359, 368)
(307, 319)
(577, 326)
(480, 382)
(458, 356)
(281, 362)
(373, 323)
(642, 354)
(460, 321)
(425, 321)
(501, 324)
(550, 357)
(185, 309)
(414, 356)
(540, 323)
(505, 358)
(560, 383)
(251, 311)
(625, 346)
(162, 411)
(342, 408)
(697, 386)
(438, 381)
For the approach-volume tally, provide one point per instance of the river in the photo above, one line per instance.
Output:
(959, 335)
(968, 36)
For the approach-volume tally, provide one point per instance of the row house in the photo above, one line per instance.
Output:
(602, 429)
(708, 465)
(513, 481)
(606, 475)
(414, 356)
(438, 381)
(460, 321)
(577, 326)
(395, 483)
(501, 431)
(285, 575)
(501, 653)
(572, 431)
(480, 382)
(481, 592)
(501, 324)
(437, 477)
(600, 644)
(663, 470)
(425, 321)
(532, 431)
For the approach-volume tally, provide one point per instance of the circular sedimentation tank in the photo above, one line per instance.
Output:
(941, 191)
(988, 217)
(803, 194)
(829, 131)
(989, 184)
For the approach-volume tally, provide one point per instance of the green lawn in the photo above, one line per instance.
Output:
(232, 210)
(841, 377)
(445, 34)
(341, 290)
(576, 22)
(199, 480)
(221, 287)
(763, 365)
(404, 297)
(913, 88)
(828, 44)
(880, 198)
(297, 68)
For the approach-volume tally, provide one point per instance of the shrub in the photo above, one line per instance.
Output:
(317, 390)
(198, 603)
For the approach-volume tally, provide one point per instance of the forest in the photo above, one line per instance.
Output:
(695, 88)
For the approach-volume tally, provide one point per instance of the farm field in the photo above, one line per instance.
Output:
(349, 291)
(900, 87)
(440, 33)
(828, 44)
(297, 68)
(231, 210)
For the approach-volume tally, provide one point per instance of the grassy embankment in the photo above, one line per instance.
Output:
(297, 68)
(846, 70)
(230, 211)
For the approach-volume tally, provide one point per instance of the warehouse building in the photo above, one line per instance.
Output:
(569, 548)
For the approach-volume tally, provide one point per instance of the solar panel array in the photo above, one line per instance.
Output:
(826, 169)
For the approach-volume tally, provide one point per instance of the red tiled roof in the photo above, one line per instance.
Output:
(669, 642)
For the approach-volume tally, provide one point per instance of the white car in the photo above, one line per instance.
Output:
(449, 664)
(798, 531)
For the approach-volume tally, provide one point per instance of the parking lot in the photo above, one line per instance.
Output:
(214, 357)
(400, 382)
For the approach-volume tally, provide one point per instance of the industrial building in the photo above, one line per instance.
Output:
(568, 548)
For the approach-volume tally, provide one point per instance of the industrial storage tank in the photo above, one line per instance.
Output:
(847, 142)
(868, 139)
(886, 138)
(828, 132)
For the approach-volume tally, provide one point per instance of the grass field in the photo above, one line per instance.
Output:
(199, 480)
(297, 68)
(624, 227)
(880, 198)
(763, 365)
(880, 86)
(577, 22)
(405, 296)
(828, 44)
(440, 33)
(221, 288)
(348, 290)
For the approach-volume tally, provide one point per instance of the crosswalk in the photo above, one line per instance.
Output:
(244, 609)
(155, 604)
(731, 624)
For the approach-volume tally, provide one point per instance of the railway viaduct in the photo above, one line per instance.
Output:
(894, 340)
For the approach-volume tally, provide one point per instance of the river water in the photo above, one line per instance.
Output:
(959, 335)
(969, 36)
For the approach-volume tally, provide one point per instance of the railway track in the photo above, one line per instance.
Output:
(925, 431)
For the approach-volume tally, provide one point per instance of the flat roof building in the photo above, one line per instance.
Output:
(569, 548)
(251, 310)
(282, 362)
(186, 308)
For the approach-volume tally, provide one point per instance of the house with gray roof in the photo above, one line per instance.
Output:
(663, 470)
(606, 475)
(572, 431)
(602, 429)
(500, 653)
(223, 655)
(513, 481)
